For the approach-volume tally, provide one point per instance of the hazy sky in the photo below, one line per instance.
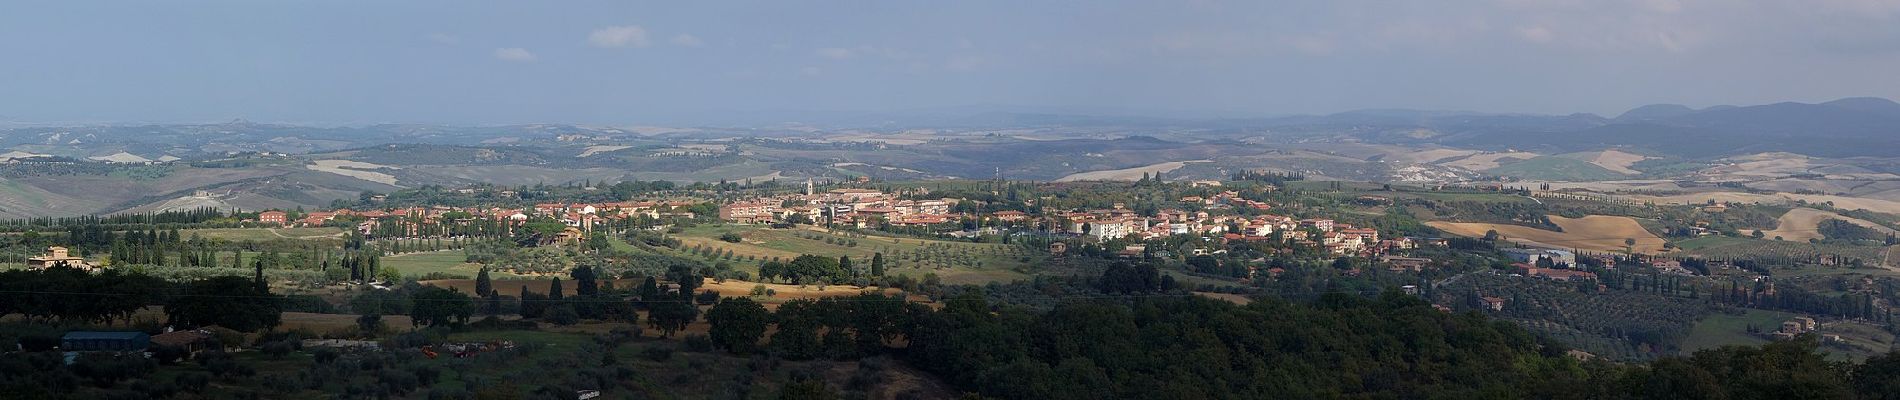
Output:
(621, 62)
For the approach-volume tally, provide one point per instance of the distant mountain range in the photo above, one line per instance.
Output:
(1859, 126)
(97, 169)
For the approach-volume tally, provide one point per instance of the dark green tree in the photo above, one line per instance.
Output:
(436, 306)
(483, 287)
(737, 324)
(228, 301)
(585, 281)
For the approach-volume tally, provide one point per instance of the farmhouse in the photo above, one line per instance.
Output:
(56, 256)
(1552, 273)
(749, 212)
(1671, 267)
(1406, 263)
(192, 341)
(1494, 303)
(1557, 257)
(1010, 215)
(272, 217)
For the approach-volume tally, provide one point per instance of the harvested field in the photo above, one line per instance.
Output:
(326, 323)
(592, 150)
(1429, 155)
(1126, 174)
(355, 169)
(1614, 160)
(1801, 224)
(784, 292)
(1594, 232)
(1486, 161)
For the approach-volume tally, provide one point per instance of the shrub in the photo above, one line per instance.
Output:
(169, 355)
(563, 315)
(222, 364)
(325, 355)
(707, 298)
(106, 368)
(658, 353)
(698, 343)
(192, 381)
(278, 349)
(37, 343)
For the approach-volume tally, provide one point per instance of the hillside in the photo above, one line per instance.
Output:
(1555, 168)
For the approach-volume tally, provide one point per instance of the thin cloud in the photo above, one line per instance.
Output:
(619, 36)
(515, 54)
(685, 40)
(835, 53)
(444, 38)
(964, 63)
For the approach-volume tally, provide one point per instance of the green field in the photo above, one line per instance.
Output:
(1481, 197)
(954, 262)
(1706, 242)
(1555, 168)
(1719, 329)
(243, 234)
(450, 262)
(1858, 341)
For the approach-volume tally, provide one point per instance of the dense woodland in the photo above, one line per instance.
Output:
(1126, 334)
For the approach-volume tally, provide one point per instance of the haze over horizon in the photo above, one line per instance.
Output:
(624, 63)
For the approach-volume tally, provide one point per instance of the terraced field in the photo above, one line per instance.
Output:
(1778, 251)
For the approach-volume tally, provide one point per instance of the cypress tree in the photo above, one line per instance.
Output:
(482, 286)
(262, 286)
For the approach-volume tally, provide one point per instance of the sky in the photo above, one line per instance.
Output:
(638, 63)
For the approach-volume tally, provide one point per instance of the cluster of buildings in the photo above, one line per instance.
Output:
(582, 216)
(865, 206)
(851, 206)
(1795, 327)
(1336, 238)
(1555, 274)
